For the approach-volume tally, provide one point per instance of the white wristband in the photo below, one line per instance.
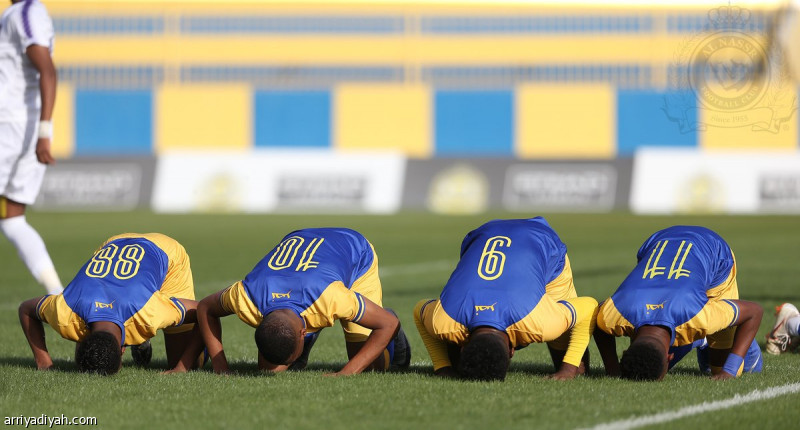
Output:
(45, 129)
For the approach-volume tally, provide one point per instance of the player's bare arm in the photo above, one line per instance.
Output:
(607, 345)
(41, 60)
(183, 349)
(34, 333)
(747, 324)
(384, 326)
(209, 311)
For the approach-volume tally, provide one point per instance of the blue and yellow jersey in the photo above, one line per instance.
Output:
(133, 280)
(502, 282)
(322, 274)
(684, 280)
(501, 276)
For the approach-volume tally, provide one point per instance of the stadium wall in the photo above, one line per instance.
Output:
(428, 80)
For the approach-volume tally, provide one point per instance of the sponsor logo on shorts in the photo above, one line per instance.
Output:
(654, 307)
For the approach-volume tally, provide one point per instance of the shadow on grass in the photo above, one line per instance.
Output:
(59, 364)
(685, 371)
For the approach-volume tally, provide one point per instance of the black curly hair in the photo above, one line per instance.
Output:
(485, 357)
(275, 338)
(99, 353)
(643, 361)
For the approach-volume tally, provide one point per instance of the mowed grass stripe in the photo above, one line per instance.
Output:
(664, 417)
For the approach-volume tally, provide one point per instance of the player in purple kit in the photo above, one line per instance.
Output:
(27, 97)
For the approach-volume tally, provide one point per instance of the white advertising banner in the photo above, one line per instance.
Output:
(279, 181)
(692, 181)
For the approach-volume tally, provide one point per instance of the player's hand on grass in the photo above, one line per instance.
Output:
(177, 369)
(721, 376)
(565, 373)
(44, 363)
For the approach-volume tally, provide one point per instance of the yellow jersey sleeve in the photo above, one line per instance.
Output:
(54, 311)
(546, 322)
(160, 312)
(335, 303)
(234, 299)
(611, 321)
(714, 317)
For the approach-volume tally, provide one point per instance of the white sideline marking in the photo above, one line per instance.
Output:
(663, 417)
(416, 268)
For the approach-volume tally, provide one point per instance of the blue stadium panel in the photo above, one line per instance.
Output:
(654, 118)
(564, 24)
(474, 123)
(292, 24)
(100, 25)
(720, 19)
(113, 122)
(293, 119)
(290, 76)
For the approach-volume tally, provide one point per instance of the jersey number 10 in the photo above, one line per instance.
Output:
(287, 251)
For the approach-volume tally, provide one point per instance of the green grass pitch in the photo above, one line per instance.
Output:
(417, 253)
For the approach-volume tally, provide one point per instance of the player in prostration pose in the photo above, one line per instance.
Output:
(134, 285)
(512, 287)
(27, 97)
(311, 279)
(683, 289)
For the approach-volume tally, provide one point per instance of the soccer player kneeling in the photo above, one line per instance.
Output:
(134, 285)
(512, 287)
(682, 290)
(311, 279)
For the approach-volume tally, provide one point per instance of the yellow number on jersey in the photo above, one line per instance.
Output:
(284, 255)
(127, 266)
(653, 269)
(287, 251)
(490, 267)
(100, 264)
